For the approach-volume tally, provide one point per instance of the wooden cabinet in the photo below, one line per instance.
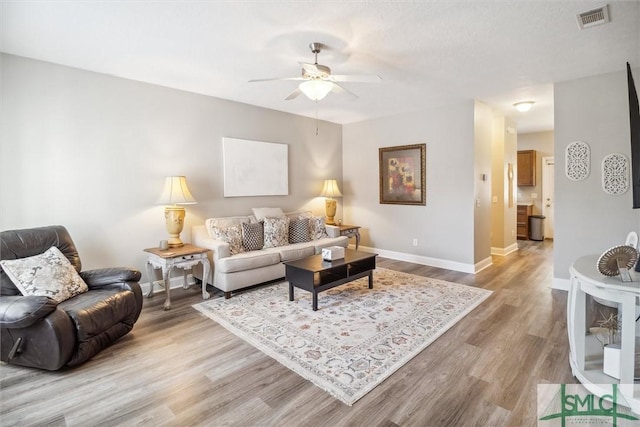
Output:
(527, 168)
(522, 221)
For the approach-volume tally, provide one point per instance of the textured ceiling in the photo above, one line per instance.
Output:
(428, 53)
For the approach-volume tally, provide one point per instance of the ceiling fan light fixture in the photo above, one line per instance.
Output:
(524, 106)
(316, 89)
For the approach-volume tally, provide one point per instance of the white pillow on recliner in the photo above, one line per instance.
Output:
(48, 274)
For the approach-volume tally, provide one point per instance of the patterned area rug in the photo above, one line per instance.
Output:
(358, 337)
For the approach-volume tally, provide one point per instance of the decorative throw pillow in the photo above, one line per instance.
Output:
(276, 232)
(299, 230)
(49, 274)
(253, 236)
(298, 215)
(226, 221)
(231, 235)
(262, 213)
(317, 230)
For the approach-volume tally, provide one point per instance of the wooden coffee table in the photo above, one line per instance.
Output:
(315, 275)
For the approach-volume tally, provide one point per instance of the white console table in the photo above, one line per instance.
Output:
(586, 351)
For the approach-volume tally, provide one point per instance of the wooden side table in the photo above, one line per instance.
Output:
(351, 231)
(184, 257)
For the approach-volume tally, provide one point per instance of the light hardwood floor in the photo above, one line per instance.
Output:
(179, 368)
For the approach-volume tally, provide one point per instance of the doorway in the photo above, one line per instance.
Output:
(548, 200)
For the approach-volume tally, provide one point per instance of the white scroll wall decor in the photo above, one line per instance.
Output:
(615, 174)
(577, 161)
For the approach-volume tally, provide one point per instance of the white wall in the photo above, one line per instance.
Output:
(445, 226)
(90, 151)
(503, 216)
(483, 141)
(587, 220)
(543, 143)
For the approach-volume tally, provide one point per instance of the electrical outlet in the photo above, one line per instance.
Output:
(513, 233)
(534, 195)
(415, 242)
(477, 203)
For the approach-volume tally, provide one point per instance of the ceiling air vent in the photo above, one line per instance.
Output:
(593, 17)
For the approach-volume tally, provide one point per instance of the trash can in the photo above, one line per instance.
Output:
(536, 227)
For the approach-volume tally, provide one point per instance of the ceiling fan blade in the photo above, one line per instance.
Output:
(293, 94)
(339, 89)
(356, 78)
(278, 78)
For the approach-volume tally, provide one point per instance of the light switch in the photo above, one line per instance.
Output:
(477, 203)
(495, 199)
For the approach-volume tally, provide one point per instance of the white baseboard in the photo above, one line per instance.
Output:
(560, 284)
(174, 282)
(504, 251)
(487, 262)
(432, 262)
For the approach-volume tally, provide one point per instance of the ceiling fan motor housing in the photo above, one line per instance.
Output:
(316, 47)
(321, 72)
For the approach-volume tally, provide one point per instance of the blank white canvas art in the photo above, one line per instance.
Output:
(255, 168)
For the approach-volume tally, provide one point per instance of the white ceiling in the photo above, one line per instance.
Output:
(428, 53)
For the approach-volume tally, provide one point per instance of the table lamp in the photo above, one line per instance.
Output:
(330, 191)
(175, 193)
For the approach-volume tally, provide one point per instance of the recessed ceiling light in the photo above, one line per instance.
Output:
(523, 106)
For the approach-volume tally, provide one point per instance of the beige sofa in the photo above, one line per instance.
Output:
(234, 270)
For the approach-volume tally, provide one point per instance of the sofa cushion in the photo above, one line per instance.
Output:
(231, 235)
(299, 230)
(276, 232)
(262, 213)
(247, 261)
(298, 214)
(317, 228)
(296, 251)
(48, 274)
(253, 236)
(226, 222)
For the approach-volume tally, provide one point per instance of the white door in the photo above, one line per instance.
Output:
(547, 195)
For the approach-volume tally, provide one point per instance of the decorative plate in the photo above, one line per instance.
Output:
(608, 261)
(577, 161)
(615, 174)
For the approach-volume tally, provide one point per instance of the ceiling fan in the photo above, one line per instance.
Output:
(317, 80)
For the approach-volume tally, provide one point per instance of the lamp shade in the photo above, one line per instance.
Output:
(176, 192)
(330, 189)
(316, 89)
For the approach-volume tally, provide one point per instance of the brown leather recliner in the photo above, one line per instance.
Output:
(37, 331)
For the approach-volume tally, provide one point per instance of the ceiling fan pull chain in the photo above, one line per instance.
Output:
(316, 117)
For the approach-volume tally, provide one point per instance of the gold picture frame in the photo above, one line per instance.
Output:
(402, 175)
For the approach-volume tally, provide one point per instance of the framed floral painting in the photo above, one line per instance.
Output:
(402, 175)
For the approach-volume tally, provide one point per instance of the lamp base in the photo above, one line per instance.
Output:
(175, 243)
(330, 210)
(174, 216)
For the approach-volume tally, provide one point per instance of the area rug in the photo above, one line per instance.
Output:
(358, 337)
